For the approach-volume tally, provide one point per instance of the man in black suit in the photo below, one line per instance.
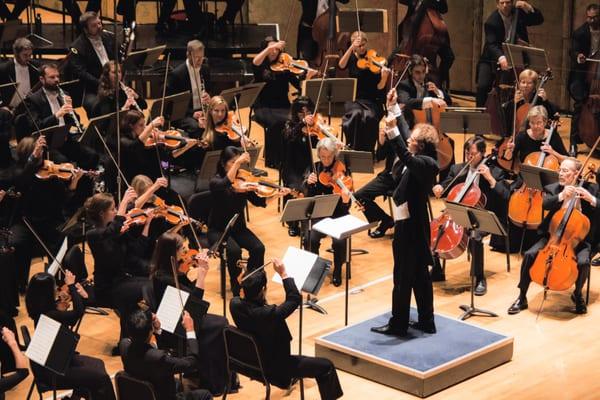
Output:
(499, 29)
(21, 69)
(143, 361)
(266, 323)
(556, 196)
(475, 151)
(585, 43)
(93, 48)
(415, 175)
(180, 80)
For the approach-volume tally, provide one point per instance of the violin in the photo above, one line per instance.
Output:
(286, 62)
(174, 215)
(135, 217)
(339, 181)
(245, 182)
(319, 129)
(233, 128)
(371, 61)
(171, 139)
(64, 171)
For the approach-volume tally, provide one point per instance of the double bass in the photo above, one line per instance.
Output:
(588, 125)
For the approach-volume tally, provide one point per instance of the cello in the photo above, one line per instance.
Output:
(588, 118)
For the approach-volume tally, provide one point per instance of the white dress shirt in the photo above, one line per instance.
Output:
(54, 104)
(99, 49)
(194, 80)
(22, 77)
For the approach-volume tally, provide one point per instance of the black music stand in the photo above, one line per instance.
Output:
(38, 40)
(466, 121)
(306, 210)
(8, 90)
(208, 169)
(352, 225)
(521, 57)
(221, 246)
(176, 106)
(243, 96)
(474, 220)
(336, 92)
(138, 60)
(56, 136)
(372, 20)
(536, 177)
(105, 124)
(135, 69)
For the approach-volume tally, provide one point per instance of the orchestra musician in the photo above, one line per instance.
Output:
(585, 43)
(22, 69)
(105, 101)
(218, 114)
(266, 322)
(498, 28)
(361, 119)
(415, 176)
(311, 9)
(556, 196)
(7, 382)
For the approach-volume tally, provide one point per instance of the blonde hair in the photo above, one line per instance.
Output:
(360, 34)
(425, 133)
(529, 73)
(537, 111)
(209, 132)
(141, 183)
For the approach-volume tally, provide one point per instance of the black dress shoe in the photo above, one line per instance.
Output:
(437, 274)
(519, 305)
(293, 231)
(580, 306)
(427, 327)
(388, 330)
(336, 280)
(481, 288)
(596, 262)
(381, 230)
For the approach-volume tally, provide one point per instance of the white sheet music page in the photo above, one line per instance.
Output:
(336, 227)
(170, 309)
(298, 264)
(42, 340)
(53, 268)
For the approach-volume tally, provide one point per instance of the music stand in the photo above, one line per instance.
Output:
(106, 123)
(336, 91)
(221, 245)
(208, 169)
(466, 122)
(8, 91)
(522, 57)
(306, 210)
(176, 106)
(474, 220)
(56, 136)
(360, 162)
(536, 177)
(245, 95)
(343, 228)
(137, 60)
(372, 20)
(34, 37)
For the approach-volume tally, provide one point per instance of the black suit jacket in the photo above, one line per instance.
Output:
(267, 324)
(581, 42)
(42, 112)
(407, 94)
(85, 62)
(8, 75)
(178, 81)
(142, 361)
(495, 33)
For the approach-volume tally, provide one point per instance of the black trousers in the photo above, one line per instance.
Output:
(410, 275)
(273, 121)
(381, 185)
(583, 252)
(5, 135)
(485, 80)
(476, 249)
(240, 238)
(313, 238)
(320, 368)
(360, 124)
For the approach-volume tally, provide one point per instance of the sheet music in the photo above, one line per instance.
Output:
(170, 309)
(43, 339)
(298, 264)
(337, 227)
(53, 268)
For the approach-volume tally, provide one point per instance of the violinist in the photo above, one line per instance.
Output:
(105, 102)
(272, 106)
(208, 327)
(361, 119)
(329, 167)
(9, 381)
(475, 151)
(192, 75)
(84, 374)
(218, 134)
(233, 201)
(556, 196)
(415, 175)
(585, 43)
(498, 28)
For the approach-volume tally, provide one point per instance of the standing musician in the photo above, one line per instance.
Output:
(361, 120)
(556, 196)
(233, 200)
(192, 75)
(319, 181)
(585, 43)
(22, 69)
(415, 176)
(498, 29)
(266, 322)
(105, 102)
(272, 106)
(311, 9)
(475, 151)
(93, 48)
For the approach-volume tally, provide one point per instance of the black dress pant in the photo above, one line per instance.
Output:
(411, 274)
(381, 185)
(240, 238)
(312, 243)
(273, 121)
(485, 80)
(583, 252)
(320, 368)
(5, 134)
(476, 249)
(361, 124)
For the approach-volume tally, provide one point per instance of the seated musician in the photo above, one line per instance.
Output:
(84, 374)
(93, 48)
(418, 92)
(208, 327)
(498, 29)
(22, 69)
(528, 82)
(475, 150)
(214, 138)
(556, 197)
(193, 75)
(233, 200)
(327, 151)
(105, 101)
(361, 120)
(266, 322)
(143, 361)
(9, 381)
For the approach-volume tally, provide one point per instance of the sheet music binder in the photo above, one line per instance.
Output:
(197, 308)
(316, 277)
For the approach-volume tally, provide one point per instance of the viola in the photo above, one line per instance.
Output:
(233, 128)
(286, 62)
(171, 139)
(371, 61)
(245, 182)
(338, 179)
(64, 171)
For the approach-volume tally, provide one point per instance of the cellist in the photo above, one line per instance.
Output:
(556, 196)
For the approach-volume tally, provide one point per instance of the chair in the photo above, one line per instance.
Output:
(129, 387)
(199, 205)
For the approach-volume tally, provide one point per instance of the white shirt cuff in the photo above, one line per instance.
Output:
(392, 133)
(594, 202)
(440, 94)
(190, 335)
(395, 111)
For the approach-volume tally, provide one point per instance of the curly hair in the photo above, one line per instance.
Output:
(106, 87)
